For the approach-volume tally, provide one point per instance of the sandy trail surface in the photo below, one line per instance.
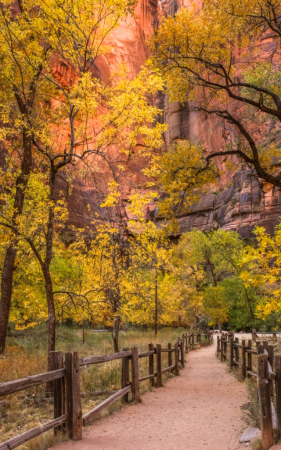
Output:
(198, 410)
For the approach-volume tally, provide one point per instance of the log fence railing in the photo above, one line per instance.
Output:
(66, 383)
(258, 360)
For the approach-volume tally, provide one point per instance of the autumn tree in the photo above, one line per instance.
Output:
(263, 274)
(61, 125)
(154, 299)
(220, 258)
(213, 62)
(190, 278)
(33, 37)
(181, 173)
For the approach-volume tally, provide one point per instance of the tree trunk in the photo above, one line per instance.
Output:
(6, 293)
(156, 306)
(116, 334)
(45, 266)
(9, 261)
(46, 269)
(51, 311)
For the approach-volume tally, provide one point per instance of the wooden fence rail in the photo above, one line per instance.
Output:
(66, 383)
(265, 368)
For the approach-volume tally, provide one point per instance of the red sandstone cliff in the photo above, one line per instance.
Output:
(238, 207)
(128, 43)
(247, 202)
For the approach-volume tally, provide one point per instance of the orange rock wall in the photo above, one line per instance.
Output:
(239, 206)
(129, 45)
(240, 201)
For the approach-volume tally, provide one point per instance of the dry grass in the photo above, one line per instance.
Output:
(256, 444)
(251, 415)
(26, 355)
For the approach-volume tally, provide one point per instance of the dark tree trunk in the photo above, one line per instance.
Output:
(6, 293)
(45, 266)
(9, 261)
(156, 305)
(116, 334)
(46, 269)
(51, 311)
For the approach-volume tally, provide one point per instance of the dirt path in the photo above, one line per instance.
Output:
(198, 410)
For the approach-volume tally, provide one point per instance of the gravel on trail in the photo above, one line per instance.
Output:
(200, 409)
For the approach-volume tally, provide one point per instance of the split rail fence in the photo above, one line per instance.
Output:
(257, 359)
(68, 416)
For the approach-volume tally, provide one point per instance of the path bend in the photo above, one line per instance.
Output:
(198, 410)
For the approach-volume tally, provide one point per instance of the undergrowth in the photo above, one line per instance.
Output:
(251, 416)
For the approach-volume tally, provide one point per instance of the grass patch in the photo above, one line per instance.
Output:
(251, 415)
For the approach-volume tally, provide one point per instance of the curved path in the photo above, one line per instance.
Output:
(198, 410)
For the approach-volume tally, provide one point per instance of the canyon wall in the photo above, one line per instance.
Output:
(129, 45)
(240, 201)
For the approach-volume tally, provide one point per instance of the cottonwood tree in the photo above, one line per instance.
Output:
(263, 273)
(219, 257)
(214, 62)
(33, 37)
(62, 121)
(154, 300)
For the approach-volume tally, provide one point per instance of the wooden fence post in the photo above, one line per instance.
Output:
(225, 349)
(151, 364)
(243, 359)
(265, 345)
(158, 366)
(170, 360)
(271, 362)
(186, 343)
(222, 346)
(135, 374)
(278, 390)
(260, 349)
(177, 371)
(249, 357)
(182, 353)
(192, 340)
(265, 402)
(271, 355)
(199, 337)
(236, 350)
(218, 345)
(274, 336)
(125, 375)
(231, 352)
(73, 398)
(56, 359)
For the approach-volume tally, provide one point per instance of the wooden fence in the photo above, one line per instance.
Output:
(66, 383)
(258, 359)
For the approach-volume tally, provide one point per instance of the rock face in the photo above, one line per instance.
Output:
(240, 207)
(129, 45)
(241, 202)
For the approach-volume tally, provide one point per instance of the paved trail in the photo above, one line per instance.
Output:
(198, 410)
